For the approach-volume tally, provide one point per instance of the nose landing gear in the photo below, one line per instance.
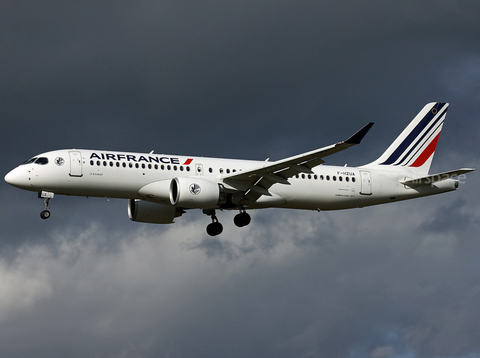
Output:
(46, 195)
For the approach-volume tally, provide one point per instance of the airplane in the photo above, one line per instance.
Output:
(161, 187)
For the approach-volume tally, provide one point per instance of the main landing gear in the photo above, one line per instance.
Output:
(45, 214)
(216, 228)
(242, 219)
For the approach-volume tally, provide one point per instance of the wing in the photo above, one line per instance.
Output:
(256, 182)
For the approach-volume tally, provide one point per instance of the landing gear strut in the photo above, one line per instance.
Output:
(215, 228)
(45, 214)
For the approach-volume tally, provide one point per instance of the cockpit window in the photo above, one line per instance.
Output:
(37, 160)
(42, 161)
(30, 160)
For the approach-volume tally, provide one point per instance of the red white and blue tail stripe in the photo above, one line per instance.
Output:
(415, 146)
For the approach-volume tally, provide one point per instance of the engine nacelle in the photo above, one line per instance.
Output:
(158, 191)
(193, 192)
(153, 213)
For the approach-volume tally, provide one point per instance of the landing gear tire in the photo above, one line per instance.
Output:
(242, 219)
(214, 229)
(45, 214)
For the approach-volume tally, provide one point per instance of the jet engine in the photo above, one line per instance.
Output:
(146, 212)
(193, 192)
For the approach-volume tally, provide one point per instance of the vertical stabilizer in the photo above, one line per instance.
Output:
(414, 147)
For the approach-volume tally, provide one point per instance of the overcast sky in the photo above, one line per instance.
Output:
(238, 79)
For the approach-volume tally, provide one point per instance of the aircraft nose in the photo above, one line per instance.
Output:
(10, 177)
(14, 178)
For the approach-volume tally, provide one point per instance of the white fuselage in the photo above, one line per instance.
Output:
(121, 175)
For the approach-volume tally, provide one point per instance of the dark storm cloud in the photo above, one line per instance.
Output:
(222, 70)
(247, 80)
(368, 287)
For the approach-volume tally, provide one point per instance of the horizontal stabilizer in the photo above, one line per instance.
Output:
(437, 177)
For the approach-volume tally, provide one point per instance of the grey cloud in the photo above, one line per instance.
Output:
(154, 295)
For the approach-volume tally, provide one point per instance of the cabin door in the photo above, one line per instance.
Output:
(75, 164)
(366, 183)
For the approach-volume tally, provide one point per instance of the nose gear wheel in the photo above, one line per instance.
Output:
(45, 214)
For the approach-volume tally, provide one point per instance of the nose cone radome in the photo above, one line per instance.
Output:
(10, 177)
(14, 178)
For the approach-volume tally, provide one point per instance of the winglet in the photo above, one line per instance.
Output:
(357, 137)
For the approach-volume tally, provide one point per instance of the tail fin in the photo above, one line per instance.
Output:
(414, 147)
